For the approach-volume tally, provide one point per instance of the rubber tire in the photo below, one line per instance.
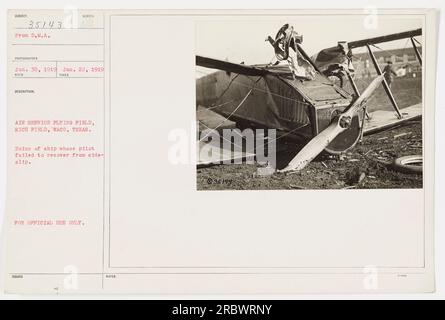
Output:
(402, 164)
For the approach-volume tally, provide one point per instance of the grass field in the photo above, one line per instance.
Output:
(406, 91)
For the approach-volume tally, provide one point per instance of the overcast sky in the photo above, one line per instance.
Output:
(242, 39)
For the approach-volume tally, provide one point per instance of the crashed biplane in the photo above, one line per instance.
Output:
(301, 96)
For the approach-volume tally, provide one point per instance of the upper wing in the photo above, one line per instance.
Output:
(336, 54)
(229, 66)
(381, 39)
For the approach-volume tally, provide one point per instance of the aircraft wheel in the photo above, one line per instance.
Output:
(407, 164)
(337, 79)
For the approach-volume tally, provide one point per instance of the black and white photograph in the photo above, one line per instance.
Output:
(311, 102)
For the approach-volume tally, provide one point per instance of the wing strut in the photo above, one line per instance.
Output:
(385, 84)
(419, 57)
(356, 91)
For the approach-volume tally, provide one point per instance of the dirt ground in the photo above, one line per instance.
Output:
(367, 166)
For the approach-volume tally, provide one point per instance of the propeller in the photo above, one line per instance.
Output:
(340, 123)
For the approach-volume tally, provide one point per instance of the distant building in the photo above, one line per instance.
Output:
(404, 62)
